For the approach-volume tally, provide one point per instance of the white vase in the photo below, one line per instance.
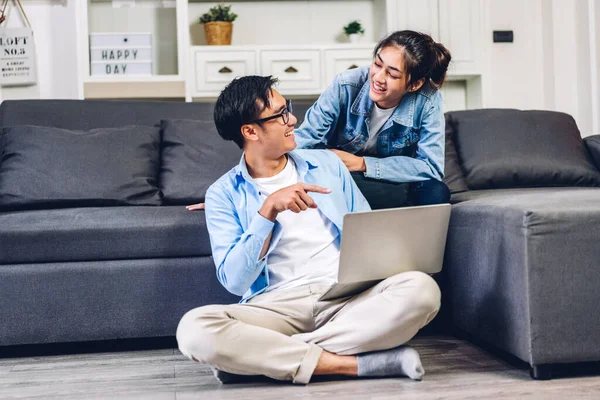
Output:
(354, 38)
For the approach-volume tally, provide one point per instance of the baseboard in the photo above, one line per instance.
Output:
(98, 346)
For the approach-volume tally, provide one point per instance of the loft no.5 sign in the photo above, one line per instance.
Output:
(17, 57)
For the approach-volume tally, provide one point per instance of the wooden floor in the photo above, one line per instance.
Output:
(454, 370)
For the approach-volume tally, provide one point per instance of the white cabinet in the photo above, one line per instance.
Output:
(421, 16)
(339, 60)
(301, 70)
(213, 68)
(457, 24)
(298, 71)
(461, 32)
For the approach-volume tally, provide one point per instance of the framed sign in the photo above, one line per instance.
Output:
(17, 57)
(121, 53)
(17, 52)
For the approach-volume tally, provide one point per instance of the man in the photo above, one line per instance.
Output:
(275, 223)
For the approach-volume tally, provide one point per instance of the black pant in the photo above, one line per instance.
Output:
(384, 194)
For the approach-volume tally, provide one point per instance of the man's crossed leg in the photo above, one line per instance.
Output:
(290, 335)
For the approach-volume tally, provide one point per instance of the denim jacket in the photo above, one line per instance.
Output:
(238, 232)
(410, 145)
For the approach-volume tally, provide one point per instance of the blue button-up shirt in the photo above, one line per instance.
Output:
(410, 145)
(238, 232)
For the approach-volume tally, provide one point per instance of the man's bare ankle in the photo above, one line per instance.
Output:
(333, 364)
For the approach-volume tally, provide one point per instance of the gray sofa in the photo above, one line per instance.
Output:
(124, 263)
(523, 254)
(95, 241)
(81, 264)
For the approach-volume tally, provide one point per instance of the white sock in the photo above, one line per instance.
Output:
(403, 360)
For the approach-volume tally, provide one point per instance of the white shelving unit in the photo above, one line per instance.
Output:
(300, 42)
(302, 70)
(458, 24)
(170, 47)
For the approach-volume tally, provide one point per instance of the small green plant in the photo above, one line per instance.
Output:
(353, 27)
(218, 13)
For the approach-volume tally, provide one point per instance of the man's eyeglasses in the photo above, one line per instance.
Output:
(285, 115)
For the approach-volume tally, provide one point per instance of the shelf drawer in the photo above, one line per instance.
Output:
(123, 39)
(340, 60)
(121, 68)
(298, 70)
(116, 54)
(214, 70)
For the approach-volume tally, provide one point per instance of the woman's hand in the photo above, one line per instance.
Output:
(193, 207)
(352, 162)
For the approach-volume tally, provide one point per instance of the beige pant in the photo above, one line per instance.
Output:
(281, 334)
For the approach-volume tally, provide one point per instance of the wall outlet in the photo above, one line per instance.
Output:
(503, 36)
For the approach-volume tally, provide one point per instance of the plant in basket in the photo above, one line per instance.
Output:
(218, 24)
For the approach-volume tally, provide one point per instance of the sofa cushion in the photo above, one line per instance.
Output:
(454, 176)
(101, 300)
(593, 145)
(510, 148)
(525, 198)
(44, 167)
(102, 233)
(193, 157)
(92, 114)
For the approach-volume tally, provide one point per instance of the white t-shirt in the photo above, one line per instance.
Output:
(378, 117)
(309, 249)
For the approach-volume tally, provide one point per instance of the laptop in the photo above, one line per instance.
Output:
(379, 244)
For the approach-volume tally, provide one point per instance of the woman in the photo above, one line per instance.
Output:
(386, 122)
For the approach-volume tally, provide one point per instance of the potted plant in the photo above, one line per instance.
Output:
(353, 30)
(218, 24)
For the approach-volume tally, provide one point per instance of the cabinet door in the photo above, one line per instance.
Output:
(298, 71)
(421, 16)
(339, 60)
(455, 23)
(460, 32)
(213, 70)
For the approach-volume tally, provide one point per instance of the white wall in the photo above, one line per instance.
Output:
(291, 22)
(552, 61)
(53, 23)
(513, 72)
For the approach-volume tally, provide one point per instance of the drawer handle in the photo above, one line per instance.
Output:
(353, 66)
(225, 70)
(291, 70)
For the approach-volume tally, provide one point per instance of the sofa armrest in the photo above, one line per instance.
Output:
(593, 145)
